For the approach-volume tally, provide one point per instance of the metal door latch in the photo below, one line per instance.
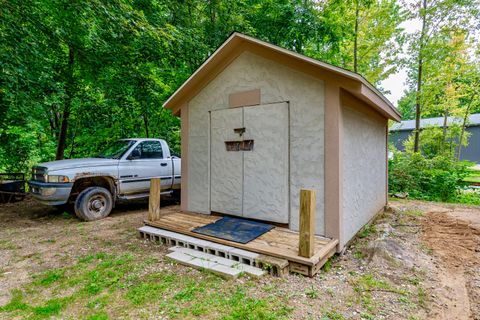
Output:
(240, 131)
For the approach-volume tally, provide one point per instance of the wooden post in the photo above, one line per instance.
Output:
(154, 200)
(306, 246)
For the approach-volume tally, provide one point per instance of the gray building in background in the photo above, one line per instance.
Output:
(400, 132)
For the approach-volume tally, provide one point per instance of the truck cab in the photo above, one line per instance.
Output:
(122, 171)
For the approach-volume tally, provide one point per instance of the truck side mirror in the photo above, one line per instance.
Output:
(135, 154)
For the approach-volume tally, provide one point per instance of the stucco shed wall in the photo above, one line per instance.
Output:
(364, 170)
(277, 83)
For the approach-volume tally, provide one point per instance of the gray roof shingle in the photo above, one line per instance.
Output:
(406, 125)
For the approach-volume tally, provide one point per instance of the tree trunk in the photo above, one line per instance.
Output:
(145, 123)
(72, 144)
(62, 136)
(445, 124)
(213, 27)
(418, 107)
(355, 41)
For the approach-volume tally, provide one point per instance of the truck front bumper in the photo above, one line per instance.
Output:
(52, 194)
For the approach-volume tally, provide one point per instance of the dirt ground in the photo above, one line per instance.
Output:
(418, 260)
(453, 234)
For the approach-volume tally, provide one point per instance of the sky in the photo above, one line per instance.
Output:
(396, 83)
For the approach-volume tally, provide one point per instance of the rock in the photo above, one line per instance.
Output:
(381, 250)
(384, 229)
(401, 195)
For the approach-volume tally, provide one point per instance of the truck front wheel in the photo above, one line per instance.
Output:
(93, 203)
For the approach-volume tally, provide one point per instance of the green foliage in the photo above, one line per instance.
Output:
(379, 36)
(332, 315)
(406, 105)
(98, 284)
(442, 62)
(468, 196)
(312, 292)
(367, 230)
(438, 178)
(437, 141)
(140, 293)
(50, 277)
(16, 302)
(96, 71)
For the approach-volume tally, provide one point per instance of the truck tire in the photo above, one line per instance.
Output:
(176, 194)
(93, 203)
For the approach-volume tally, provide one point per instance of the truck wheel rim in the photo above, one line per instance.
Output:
(97, 204)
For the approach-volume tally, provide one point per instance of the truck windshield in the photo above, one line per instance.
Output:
(116, 149)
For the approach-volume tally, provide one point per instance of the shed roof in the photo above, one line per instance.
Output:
(407, 125)
(238, 43)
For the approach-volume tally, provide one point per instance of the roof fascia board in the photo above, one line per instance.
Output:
(374, 99)
(334, 69)
(352, 101)
(298, 56)
(303, 66)
(237, 43)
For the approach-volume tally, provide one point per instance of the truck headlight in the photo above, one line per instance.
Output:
(46, 192)
(57, 179)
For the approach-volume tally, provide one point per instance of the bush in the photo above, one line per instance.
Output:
(437, 142)
(469, 196)
(438, 178)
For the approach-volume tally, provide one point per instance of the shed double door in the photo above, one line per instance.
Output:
(249, 162)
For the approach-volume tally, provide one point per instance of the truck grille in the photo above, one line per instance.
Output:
(38, 174)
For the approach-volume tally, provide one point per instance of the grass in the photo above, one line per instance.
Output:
(366, 284)
(469, 197)
(104, 286)
(312, 293)
(367, 230)
(332, 315)
(422, 297)
(49, 277)
(474, 176)
(414, 213)
(7, 245)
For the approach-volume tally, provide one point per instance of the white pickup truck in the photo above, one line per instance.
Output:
(122, 171)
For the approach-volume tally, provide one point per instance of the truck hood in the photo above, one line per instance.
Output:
(78, 163)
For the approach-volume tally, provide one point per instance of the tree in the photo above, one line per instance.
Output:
(436, 17)
(77, 74)
(366, 36)
(406, 105)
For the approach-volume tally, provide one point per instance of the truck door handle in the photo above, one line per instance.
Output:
(163, 164)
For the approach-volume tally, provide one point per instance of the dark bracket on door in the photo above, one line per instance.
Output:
(244, 145)
(239, 131)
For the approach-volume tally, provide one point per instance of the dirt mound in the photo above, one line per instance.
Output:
(456, 243)
(453, 239)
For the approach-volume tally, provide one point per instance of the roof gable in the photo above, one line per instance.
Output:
(238, 43)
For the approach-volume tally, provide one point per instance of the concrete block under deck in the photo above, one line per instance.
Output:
(222, 266)
(280, 243)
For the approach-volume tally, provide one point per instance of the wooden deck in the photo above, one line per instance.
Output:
(278, 242)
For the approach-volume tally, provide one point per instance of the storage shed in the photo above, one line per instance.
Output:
(259, 123)
(401, 132)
